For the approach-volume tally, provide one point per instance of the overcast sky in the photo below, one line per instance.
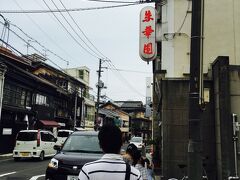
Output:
(113, 31)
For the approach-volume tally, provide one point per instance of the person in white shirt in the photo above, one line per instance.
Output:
(111, 166)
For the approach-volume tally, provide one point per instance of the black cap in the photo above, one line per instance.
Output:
(131, 149)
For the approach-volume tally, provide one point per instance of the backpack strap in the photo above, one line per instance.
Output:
(128, 171)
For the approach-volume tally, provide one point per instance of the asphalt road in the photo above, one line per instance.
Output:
(26, 169)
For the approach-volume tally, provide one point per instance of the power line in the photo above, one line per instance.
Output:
(105, 1)
(133, 71)
(30, 46)
(64, 10)
(112, 66)
(40, 44)
(46, 35)
(69, 32)
(5, 28)
(81, 29)
(75, 30)
(184, 19)
(22, 53)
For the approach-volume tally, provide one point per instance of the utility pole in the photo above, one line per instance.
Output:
(195, 140)
(99, 86)
(75, 111)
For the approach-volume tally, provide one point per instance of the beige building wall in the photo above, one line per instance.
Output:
(75, 72)
(222, 30)
(221, 34)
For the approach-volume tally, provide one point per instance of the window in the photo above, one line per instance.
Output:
(51, 137)
(84, 143)
(63, 134)
(16, 96)
(27, 136)
(81, 74)
(41, 100)
(28, 99)
(62, 83)
(45, 136)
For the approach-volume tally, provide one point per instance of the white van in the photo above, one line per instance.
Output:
(34, 144)
(62, 135)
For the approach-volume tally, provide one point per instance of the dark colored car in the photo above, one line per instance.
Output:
(79, 148)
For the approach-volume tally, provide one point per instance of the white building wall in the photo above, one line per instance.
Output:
(167, 42)
(221, 34)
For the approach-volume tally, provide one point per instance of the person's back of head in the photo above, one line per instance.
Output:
(110, 138)
(133, 151)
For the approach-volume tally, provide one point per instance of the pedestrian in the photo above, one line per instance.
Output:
(149, 166)
(111, 166)
(130, 156)
(133, 156)
(140, 165)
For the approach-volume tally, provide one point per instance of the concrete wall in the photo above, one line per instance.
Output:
(174, 129)
(223, 121)
(234, 83)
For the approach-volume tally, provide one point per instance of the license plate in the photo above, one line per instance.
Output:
(25, 154)
(72, 178)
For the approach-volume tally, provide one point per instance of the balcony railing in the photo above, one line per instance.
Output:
(89, 96)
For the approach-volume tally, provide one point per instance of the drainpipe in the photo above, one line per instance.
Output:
(235, 139)
(3, 69)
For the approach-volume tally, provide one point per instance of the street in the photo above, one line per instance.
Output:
(26, 169)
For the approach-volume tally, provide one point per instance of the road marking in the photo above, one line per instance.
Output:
(1, 175)
(36, 177)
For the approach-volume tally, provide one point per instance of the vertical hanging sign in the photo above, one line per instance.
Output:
(148, 45)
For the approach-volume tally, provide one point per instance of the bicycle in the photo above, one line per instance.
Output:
(185, 177)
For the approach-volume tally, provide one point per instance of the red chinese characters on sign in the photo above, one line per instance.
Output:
(147, 49)
(148, 45)
(148, 16)
(148, 31)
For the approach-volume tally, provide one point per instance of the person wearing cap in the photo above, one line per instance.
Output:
(111, 166)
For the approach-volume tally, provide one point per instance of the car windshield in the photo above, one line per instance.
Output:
(27, 136)
(136, 139)
(63, 134)
(82, 143)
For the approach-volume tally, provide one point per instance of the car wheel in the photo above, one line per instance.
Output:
(41, 156)
(16, 158)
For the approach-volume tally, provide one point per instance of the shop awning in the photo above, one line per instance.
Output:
(49, 123)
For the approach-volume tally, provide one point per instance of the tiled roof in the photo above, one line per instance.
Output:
(108, 113)
(129, 104)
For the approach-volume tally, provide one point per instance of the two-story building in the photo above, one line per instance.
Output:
(139, 124)
(119, 117)
(35, 95)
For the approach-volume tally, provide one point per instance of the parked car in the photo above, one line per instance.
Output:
(79, 148)
(137, 141)
(62, 135)
(34, 144)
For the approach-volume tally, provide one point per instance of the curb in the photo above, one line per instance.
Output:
(5, 156)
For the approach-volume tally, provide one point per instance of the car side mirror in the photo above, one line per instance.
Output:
(57, 147)
(55, 139)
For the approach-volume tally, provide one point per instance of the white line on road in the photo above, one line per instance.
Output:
(1, 175)
(36, 177)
